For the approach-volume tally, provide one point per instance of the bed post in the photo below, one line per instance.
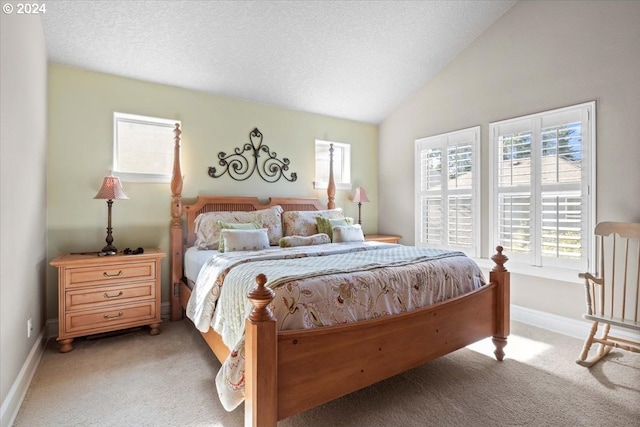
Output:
(501, 276)
(261, 360)
(175, 237)
(331, 188)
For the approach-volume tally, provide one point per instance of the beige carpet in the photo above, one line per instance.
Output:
(168, 380)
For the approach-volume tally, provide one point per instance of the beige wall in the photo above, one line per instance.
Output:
(537, 56)
(81, 106)
(23, 145)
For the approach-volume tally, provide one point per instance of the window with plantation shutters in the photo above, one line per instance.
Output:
(542, 187)
(448, 191)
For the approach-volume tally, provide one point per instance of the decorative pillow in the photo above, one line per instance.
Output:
(348, 233)
(208, 231)
(316, 239)
(245, 240)
(325, 225)
(303, 223)
(253, 225)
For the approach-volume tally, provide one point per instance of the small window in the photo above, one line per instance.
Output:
(341, 165)
(142, 148)
(447, 179)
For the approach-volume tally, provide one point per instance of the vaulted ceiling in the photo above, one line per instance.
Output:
(351, 59)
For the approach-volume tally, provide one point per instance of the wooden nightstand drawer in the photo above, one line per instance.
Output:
(97, 297)
(108, 318)
(113, 273)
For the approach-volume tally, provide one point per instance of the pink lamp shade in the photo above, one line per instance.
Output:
(360, 196)
(111, 189)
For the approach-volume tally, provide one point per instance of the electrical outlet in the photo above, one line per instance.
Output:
(29, 328)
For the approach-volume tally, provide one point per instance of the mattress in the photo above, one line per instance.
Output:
(194, 259)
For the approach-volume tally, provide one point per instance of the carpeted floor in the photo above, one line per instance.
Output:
(136, 379)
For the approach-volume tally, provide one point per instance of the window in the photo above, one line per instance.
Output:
(142, 148)
(543, 187)
(447, 174)
(341, 165)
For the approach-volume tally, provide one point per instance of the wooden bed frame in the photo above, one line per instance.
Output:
(337, 360)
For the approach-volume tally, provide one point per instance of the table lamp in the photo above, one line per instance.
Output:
(110, 190)
(360, 197)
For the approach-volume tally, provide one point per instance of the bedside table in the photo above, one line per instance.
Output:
(108, 293)
(386, 238)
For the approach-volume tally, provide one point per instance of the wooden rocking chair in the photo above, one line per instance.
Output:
(613, 296)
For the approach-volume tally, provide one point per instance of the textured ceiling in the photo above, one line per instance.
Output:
(351, 59)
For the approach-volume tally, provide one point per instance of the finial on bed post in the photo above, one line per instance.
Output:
(176, 229)
(331, 188)
(499, 259)
(261, 297)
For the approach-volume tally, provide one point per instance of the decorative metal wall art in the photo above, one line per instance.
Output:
(240, 167)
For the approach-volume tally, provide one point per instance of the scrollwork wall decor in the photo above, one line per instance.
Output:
(240, 166)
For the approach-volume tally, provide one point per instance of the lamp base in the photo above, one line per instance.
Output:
(110, 248)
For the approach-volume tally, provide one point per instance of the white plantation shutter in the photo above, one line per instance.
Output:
(431, 220)
(542, 187)
(448, 191)
(514, 222)
(460, 221)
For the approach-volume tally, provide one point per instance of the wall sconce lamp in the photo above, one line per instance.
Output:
(360, 197)
(110, 190)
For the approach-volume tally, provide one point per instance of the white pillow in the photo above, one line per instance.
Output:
(253, 225)
(244, 240)
(347, 233)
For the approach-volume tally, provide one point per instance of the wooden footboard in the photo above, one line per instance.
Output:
(339, 360)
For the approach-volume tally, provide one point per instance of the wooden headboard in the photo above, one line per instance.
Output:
(182, 234)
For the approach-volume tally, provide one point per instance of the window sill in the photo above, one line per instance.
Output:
(550, 273)
(151, 178)
(339, 186)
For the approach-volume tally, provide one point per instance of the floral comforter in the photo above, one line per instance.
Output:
(318, 286)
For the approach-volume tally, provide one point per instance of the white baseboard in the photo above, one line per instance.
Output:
(165, 310)
(11, 404)
(560, 324)
(563, 325)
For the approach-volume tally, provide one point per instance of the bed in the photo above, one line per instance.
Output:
(279, 364)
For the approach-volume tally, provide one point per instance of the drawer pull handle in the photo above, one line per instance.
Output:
(106, 295)
(105, 274)
(106, 316)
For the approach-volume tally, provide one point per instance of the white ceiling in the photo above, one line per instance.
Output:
(351, 59)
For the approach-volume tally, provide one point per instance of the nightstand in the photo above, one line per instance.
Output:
(386, 238)
(106, 293)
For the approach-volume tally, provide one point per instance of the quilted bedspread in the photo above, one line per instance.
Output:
(318, 286)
